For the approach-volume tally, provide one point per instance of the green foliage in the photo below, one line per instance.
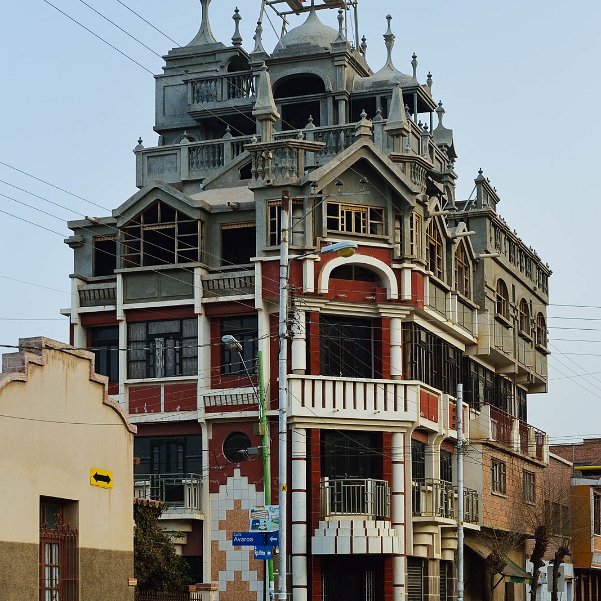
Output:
(156, 564)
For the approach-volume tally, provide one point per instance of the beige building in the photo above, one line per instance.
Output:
(66, 524)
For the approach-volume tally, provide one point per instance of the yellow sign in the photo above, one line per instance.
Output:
(102, 478)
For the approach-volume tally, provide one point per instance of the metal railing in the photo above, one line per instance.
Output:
(181, 491)
(350, 496)
(438, 499)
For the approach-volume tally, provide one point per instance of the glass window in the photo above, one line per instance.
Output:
(529, 488)
(418, 460)
(446, 466)
(462, 271)
(235, 447)
(168, 454)
(498, 479)
(354, 219)
(524, 317)
(245, 330)
(502, 299)
(162, 349)
(160, 235)
(105, 345)
(415, 235)
(434, 251)
(541, 330)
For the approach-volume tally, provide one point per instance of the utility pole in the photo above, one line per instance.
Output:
(460, 510)
(283, 393)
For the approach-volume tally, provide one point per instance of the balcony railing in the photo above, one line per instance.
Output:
(232, 283)
(233, 86)
(96, 295)
(176, 491)
(345, 497)
(438, 499)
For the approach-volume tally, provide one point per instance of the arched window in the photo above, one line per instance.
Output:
(356, 273)
(161, 235)
(235, 447)
(462, 271)
(524, 317)
(541, 330)
(502, 299)
(434, 260)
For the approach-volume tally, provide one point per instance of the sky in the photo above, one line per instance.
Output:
(517, 80)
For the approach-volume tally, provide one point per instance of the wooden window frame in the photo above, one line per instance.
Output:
(434, 251)
(360, 220)
(529, 487)
(498, 480)
(415, 235)
(463, 280)
(502, 300)
(541, 330)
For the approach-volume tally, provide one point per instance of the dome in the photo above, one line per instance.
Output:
(312, 33)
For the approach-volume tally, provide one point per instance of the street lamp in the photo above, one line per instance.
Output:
(345, 249)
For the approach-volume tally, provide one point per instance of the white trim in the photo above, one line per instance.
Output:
(384, 270)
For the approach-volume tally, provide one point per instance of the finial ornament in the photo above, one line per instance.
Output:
(341, 37)
(440, 112)
(414, 65)
(389, 38)
(237, 38)
(258, 37)
(140, 146)
(429, 80)
(205, 35)
(363, 46)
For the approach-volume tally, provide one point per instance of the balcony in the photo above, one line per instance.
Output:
(180, 493)
(205, 94)
(508, 431)
(228, 284)
(367, 498)
(101, 294)
(437, 499)
(315, 398)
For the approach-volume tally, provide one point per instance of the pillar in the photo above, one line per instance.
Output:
(299, 515)
(299, 343)
(396, 348)
(398, 514)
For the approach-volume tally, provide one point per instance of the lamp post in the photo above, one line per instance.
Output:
(345, 249)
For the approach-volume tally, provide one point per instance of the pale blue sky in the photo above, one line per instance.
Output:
(519, 82)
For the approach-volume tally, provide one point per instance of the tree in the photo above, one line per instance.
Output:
(156, 564)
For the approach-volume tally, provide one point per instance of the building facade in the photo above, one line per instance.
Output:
(66, 528)
(439, 292)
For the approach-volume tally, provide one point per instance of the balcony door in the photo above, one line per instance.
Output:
(346, 347)
(349, 454)
(350, 579)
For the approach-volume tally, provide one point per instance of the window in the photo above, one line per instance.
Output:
(462, 271)
(415, 235)
(235, 447)
(418, 460)
(245, 330)
(447, 581)
(355, 219)
(161, 235)
(521, 397)
(398, 235)
(355, 273)
(162, 349)
(349, 454)
(597, 514)
(174, 455)
(524, 312)
(274, 217)
(346, 347)
(541, 330)
(498, 477)
(503, 396)
(479, 384)
(105, 344)
(434, 255)
(502, 299)
(58, 553)
(238, 243)
(105, 255)
(529, 489)
(446, 466)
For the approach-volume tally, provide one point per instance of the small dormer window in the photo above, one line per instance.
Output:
(160, 235)
(355, 219)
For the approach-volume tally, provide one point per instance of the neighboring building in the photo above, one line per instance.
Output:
(440, 292)
(586, 522)
(62, 537)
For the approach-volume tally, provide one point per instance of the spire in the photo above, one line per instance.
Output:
(258, 37)
(414, 65)
(237, 38)
(265, 110)
(443, 137)
(363, 46)
(397, 125)
(341, 37)
(389, 38)
(205, 35)
(429, 81)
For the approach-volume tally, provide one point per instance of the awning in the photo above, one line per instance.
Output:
(512, 571)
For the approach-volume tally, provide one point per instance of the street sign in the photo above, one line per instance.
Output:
(102, 478)
(263, 553)
(255, 539)
(248, 539)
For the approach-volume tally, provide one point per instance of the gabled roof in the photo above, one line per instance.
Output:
(364, 149)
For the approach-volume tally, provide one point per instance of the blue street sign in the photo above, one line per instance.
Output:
(248, 539)
(263, 552)
(255, 539)
(273, 538)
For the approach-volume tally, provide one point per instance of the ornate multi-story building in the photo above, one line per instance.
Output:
(439, 292)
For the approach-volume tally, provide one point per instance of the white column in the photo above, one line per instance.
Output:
(204, 353)
(396, 348)
(299, 343)
(398, 513)
(123, 344)
(299, 515)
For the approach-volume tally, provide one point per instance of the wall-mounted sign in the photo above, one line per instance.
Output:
(102, 478)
